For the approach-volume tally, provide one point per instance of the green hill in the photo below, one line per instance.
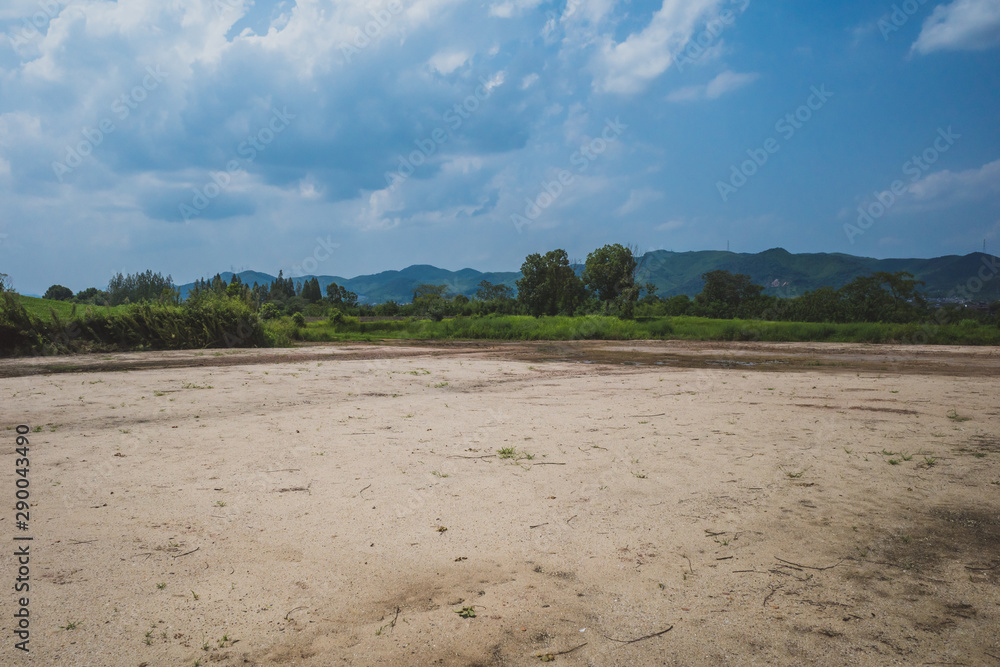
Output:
(781, 272)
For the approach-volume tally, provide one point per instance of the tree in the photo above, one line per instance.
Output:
(489, 292)
(724, 291)
(91, 295)
(610, 272)
(883, 297)
(311, 291)
(340, 296)
(548, 285)
(430, 299)
(137, 287)
(58, 293)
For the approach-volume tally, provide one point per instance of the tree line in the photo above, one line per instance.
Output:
(606, 283)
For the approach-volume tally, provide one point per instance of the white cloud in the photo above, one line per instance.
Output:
(510, 8)
(637, 199)
(952, 188)
(627, 67)
(447, 62)
(963, 25)
(724, 83)
(669, 226)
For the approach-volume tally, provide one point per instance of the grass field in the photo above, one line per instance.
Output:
(610, 328)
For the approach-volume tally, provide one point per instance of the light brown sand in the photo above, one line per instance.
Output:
(294, 503)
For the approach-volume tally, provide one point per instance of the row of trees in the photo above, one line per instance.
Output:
(551, 285)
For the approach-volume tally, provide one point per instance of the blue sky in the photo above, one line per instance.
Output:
(195, 136)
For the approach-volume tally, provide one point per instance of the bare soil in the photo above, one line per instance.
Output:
(590, 503)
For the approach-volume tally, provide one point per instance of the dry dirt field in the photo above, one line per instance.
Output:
(656, 504)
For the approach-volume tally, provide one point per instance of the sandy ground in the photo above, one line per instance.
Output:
(666, 503)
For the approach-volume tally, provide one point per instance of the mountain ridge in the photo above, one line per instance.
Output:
(782, 273)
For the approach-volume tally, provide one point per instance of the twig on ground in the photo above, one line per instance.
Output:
(656, 415)
(291, 610)
(689, 564)
(187, 552)
(810, 567)
(364, 489)
(538, 525)
(768, 596)
(632, 641)
(284, 470)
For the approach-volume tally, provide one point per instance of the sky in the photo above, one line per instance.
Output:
(347, 137)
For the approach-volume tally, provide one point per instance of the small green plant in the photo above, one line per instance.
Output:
(954, 416)
(224, 641)
(906, 457)
(467, 612)
(439, 474)
(507, 453)
(795, 475)
(195, 595)
(894, 462)
(70, 625)
(158, 393)
(929, 461)
(161, 586)
(440, 385)
(220, 503)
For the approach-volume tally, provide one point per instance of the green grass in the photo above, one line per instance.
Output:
(593, 327)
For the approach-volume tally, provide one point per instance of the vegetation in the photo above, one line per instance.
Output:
(554, 300)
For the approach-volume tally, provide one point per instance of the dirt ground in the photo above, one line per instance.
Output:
(654, 503)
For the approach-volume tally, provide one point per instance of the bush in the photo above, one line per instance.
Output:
(298, 320)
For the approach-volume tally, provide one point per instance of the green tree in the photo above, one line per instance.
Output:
(58, 293)
(883, 297)
(138, 287)
(487, 291)
(724, 292)
(340, 296)
(311, 291)
(431, 300)
(548, 285)
(610, 273)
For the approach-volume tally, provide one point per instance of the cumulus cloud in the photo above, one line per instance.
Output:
(962, 25)
(725, 82)
(627, 67)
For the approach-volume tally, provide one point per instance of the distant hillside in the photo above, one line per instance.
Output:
(781, 272)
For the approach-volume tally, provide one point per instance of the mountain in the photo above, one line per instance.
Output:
(781, 272)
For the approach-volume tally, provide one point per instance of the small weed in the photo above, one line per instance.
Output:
(37, 429)
(195, 595)
(954, 416)
(158, 393)
(795, 475)
(507, 453)
(979, 455)
(440, 385)
(640, 475)
(224, 641)
(70, 625)
(160, 586)
(894, 462)
(205, 646)
(905, 538)
(929, 461)
(906, 457)
(439, 474)
(220, 503)
(467, 612)
(849, 451)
